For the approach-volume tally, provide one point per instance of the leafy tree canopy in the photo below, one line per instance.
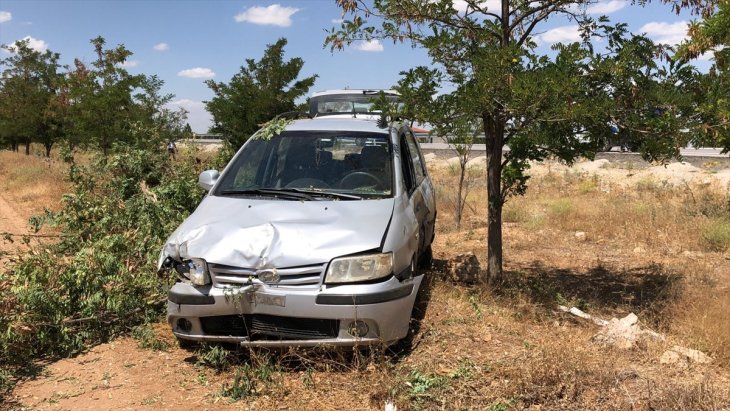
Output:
(258, 92)
(486, 71)
(713, 35)
(31, 105)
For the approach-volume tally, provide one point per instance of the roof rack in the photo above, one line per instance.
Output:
(294, 115)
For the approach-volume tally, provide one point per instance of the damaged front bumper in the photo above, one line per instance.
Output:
(269, 316)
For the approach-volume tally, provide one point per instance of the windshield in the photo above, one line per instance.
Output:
(344, 103)
(305, 165)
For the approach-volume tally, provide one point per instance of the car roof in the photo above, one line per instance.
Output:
(337, 124)
(360, 91)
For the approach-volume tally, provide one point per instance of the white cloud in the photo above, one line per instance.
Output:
(161, 47)
(563, 34)
(337, 21)
(665, 33)
(710, 54)
(35, 44)
(274, 15)
(492, 6)
(370, 45)
(198, 117)
(197, 72)
(5, 16)
(606, 7)
(130, 63)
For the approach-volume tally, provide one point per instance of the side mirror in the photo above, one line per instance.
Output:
(207, 179)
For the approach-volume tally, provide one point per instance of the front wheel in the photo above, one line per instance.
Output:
(426, 259)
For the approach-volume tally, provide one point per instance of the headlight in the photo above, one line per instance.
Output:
(359, 268)
(197, 271)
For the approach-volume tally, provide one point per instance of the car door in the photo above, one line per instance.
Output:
(424, 202)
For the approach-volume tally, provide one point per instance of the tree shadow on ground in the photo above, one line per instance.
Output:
(645, 289)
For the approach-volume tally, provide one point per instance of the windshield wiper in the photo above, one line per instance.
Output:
(325, 193)
(272, 192)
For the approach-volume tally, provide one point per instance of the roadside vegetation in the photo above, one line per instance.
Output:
(472, 347)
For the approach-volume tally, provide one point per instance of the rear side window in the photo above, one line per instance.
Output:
(406, 164)
(416, 159)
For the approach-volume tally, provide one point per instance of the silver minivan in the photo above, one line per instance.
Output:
(309, 237)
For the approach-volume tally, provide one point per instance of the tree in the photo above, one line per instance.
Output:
(259, 91)
(540, 107)
(713, 35)
(31, 103)
(111, 107)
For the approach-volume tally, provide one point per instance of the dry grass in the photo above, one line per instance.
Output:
(472, 348)
(32, 183)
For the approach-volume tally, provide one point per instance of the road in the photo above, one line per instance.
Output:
(685, 152)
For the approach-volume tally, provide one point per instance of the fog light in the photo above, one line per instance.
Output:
(184, 324)
(358, 328)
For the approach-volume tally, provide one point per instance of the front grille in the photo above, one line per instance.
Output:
(233, 325)
(226, 275)
(263, 327)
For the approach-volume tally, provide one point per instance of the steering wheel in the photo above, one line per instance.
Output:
(307, 182)
(357, 179)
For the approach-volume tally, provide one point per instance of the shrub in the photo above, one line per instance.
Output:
(562, 207)
(99, 279)
(214, 356)
(514, 214)
(716, 234)
(148, 339)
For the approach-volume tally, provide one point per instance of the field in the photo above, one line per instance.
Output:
(607, 238)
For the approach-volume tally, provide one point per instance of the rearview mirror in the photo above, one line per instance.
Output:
(207, 179)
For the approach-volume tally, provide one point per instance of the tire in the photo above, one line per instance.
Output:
(426, 259)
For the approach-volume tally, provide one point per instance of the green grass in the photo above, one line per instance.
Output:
(716, 234)
(562, 207)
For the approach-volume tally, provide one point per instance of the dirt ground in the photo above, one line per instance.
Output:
(477, 341)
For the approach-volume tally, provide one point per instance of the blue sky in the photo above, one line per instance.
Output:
(186, 42)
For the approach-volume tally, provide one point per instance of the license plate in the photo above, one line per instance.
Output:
(268, 299)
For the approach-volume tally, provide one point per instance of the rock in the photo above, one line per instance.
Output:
(620, 333)
(639, 250)
(684, 356)
(430, 157)
(580, 235)
(389, 406)
(578, 313)
(480, 161)
(464, 268)
(452, 162)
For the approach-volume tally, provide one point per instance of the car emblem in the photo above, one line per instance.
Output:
(268, 276)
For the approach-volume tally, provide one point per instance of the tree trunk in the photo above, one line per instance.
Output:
(494, 132)
(459, 201)
(27, 147)
(48, 146)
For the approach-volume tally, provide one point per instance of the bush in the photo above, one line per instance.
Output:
(716, 234)
(562, 207)
(99, 279)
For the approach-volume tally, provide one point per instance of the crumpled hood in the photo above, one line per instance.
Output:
(256, 233)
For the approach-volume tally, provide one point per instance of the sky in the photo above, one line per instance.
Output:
(186, 42)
